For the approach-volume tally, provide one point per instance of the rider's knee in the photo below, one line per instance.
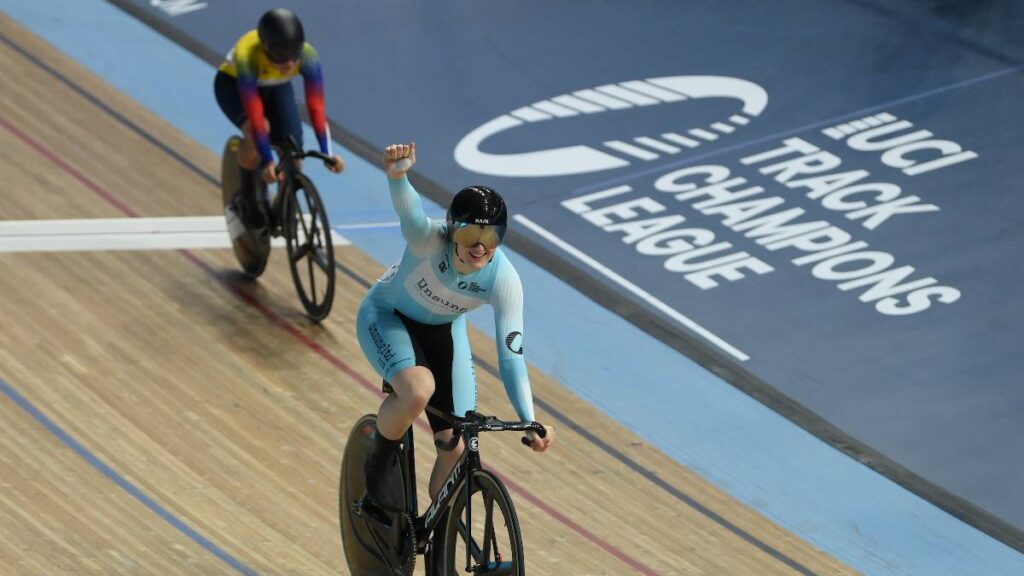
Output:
(420, 395)
(247, 128)
(415, 387)
(248, 154)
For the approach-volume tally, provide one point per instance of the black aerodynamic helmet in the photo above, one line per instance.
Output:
(478, 209)
(281, 35)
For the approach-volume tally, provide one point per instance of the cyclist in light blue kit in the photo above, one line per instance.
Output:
(412, 323)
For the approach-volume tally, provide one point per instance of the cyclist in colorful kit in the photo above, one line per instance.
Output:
(253, 87)
(412, 323)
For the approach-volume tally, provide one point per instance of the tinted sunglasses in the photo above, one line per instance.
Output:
(471, 234)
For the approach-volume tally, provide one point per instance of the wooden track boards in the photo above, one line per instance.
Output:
(218, 408)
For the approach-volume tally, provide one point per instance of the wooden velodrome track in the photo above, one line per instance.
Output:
(162, 415)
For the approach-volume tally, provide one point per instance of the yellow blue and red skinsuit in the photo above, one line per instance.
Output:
(250, 66)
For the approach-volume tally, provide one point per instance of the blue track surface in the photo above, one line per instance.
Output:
(841, 342)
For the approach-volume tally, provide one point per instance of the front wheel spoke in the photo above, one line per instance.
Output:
(320, 255)
(312, 277)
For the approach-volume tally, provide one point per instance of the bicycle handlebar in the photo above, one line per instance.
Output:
(477, 422)
(317, 155)
(291, 150)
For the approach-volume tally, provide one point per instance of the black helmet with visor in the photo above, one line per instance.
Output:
(477, 214)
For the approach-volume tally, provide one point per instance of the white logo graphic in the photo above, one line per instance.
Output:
(889, 135)
(582, 159)
(178, 7)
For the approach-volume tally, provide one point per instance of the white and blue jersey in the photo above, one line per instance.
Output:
(425, 288)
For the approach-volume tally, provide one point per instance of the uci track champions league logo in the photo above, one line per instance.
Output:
(655, 224)
(609, 98)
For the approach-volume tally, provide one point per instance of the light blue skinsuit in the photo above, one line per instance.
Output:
(425, 287)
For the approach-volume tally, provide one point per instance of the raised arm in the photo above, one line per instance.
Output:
(416, 228)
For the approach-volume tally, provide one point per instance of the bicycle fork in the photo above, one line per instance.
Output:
(473, 446)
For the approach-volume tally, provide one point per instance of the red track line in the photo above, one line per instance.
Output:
(56, 159)
(289, 327)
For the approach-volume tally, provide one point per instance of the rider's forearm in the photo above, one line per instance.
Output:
(517, 386)
(409, 206)
(313, 82)
(318, 115)
(507, 300)
(254, 112)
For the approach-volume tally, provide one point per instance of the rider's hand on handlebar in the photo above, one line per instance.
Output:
(337, 165)
(270, 173)
(539, 444)
(398, 159)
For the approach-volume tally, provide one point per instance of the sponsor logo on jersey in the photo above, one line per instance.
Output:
(436, 301)
(514, 342)
(471, 287)
(384, 351)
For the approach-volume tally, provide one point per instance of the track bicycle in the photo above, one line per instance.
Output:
(480, 533)
(298, 214)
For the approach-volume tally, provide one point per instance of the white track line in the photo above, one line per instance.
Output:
(640, 292)
(108, 234)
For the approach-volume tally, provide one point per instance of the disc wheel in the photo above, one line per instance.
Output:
(361, 546)
(252, 250)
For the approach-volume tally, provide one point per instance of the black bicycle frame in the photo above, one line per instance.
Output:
(457, 479)
(461, 476)
(290, 155)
